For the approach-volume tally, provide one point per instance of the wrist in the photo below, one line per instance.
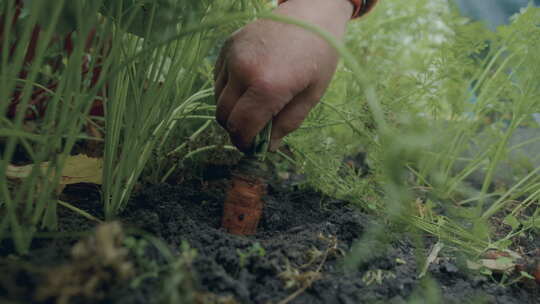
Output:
(359, 7)
(338, 10)
(343, 8)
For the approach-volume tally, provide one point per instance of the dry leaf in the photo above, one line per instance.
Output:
(495, 254)
(497, 261)
(431, 258)
(499, 265)
(77, 169)
(18, 172)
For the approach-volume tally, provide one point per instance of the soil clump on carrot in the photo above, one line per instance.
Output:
(300, 243)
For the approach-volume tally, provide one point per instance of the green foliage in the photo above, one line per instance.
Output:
(156, 20)
(256, 250)
(150, 88)
(33, 204)
(177, 283)
(408, 105)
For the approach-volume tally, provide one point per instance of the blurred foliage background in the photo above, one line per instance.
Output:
(455, 147)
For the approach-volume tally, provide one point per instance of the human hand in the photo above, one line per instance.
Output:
(275, 71)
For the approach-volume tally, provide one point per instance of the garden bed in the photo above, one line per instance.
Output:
(296, 256)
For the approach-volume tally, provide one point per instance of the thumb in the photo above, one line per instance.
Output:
(251, 114)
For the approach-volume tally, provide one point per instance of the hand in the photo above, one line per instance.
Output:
(274, 71)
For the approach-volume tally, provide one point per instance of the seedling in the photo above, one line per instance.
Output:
(377, 276)
(293, 277)
(255, 250)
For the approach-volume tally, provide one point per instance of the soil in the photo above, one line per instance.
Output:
(300, 245)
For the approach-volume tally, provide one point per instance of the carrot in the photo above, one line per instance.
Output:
(244, 204)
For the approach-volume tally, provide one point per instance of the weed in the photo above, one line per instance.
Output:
(256, 250)
(97, 264)
(377, 276)
(146, 268)
(302, 280)
(178, 287)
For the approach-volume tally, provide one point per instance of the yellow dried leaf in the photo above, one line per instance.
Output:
(77, 169)
(80, 169)
(500, 264)
(18, 172)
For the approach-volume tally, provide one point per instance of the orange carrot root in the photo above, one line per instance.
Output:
(243, 205)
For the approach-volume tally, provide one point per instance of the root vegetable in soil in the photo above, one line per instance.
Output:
(243, 205)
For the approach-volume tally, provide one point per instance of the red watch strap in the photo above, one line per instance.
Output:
(361, 7)
(365, 7)
(358, 6)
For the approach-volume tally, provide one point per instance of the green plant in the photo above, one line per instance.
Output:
(178, 287)
(178, 282)
(156, 93)
(410, 109)
(147, 85)
(146, 268)
(28, 66)
(256, 250)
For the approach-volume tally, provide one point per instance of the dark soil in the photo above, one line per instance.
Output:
(303, 236)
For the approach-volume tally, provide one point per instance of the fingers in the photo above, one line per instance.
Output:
(244, 113)
(220, 63)
(220, 70)
(292, 116)
(251, 113)
(227, 99)
(220, 83)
